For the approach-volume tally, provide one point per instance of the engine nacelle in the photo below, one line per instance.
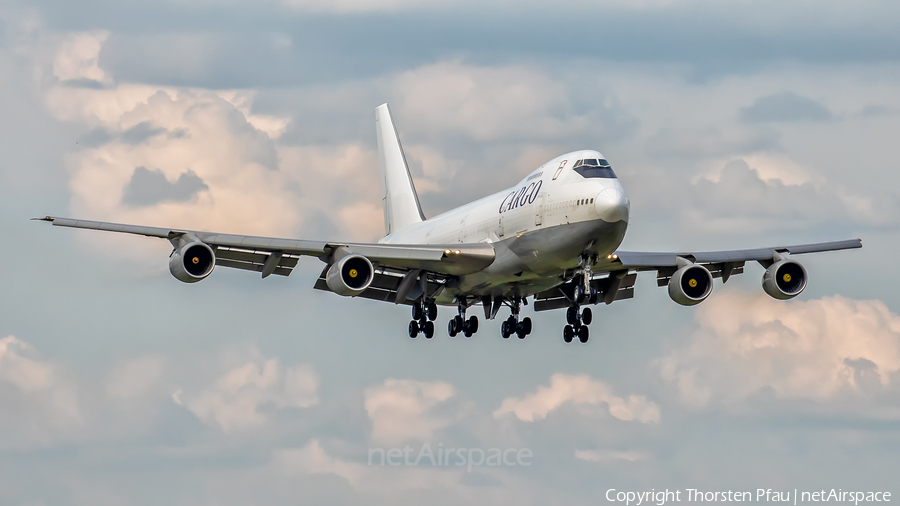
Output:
(192, 262)
(350, 276)
(784, 279)
(690, 285)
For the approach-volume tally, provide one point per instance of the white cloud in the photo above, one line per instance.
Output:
(565, 389)
(42, 404)
(237, 398)
(401, 410)
(747, 344)
(312, 459)
(482, 103)
(76, 58)
(27, 374)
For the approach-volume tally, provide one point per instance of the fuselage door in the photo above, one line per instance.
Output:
(539, 210)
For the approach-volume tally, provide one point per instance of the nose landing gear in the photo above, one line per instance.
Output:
(578, 319)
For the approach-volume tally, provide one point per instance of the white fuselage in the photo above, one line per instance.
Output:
(539, 226)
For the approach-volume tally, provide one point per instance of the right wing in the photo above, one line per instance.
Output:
(253, 253)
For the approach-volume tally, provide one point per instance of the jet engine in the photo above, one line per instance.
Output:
(350, 275)
(690, 285)
(192, 262)
(784, 279)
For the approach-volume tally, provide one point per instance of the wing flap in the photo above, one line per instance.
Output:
(384, 286)
(561, 296)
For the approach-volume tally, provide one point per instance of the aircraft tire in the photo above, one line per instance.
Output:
(413, 329)
(428, 330)
(473, 324)
(583, 334)
(578, 294)
(451, 327)
(432, 311)
(416, 311)
(568, 333)
(572, 315)
(526, 323)
(587, 316)
(504, 330)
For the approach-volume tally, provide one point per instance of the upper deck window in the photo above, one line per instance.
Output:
(592, 167)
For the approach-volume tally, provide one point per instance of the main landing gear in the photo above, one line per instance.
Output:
(459, 323)
(578, 321)
(423, 316)
(512, 325)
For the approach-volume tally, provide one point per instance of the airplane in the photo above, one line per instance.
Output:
(552, 237)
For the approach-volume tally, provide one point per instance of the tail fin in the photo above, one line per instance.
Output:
(401, 204)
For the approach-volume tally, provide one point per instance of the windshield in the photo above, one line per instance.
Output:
(592, 167)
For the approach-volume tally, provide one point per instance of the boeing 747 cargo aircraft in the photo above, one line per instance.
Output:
(552, 237)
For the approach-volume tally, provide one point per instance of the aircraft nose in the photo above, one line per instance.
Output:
(612, 205)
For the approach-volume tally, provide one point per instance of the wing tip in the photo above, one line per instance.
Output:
(45, 218)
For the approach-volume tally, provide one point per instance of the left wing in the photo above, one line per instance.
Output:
(720, 263)
(271, 255)
(618, 273)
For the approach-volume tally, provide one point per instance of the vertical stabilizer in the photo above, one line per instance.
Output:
(401, 204)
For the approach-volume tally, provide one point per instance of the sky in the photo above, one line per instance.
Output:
(730, 124)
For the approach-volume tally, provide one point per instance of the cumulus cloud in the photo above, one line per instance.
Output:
(312, 459)
(150, 187)
(239, 398)
(402, 410)
(739, 198)
(75, 62)
(751, 344)
(38, 401)
(566, 389)
(785, 106)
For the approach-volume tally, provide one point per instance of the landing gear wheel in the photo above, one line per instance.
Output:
(578, 294)
(504, 330)
(520, 331)
(451, 327)
(583, 334)
(568, 333)
(473, 324)
(417, 311)
(526, 324)
(586, 316)
(432, 311)
(413, 329)
(428, 330)
(572, 315)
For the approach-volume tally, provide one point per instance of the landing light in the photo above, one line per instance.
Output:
(457, 252)
(447, 252)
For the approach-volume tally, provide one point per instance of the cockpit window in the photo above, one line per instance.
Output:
(592, 167)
